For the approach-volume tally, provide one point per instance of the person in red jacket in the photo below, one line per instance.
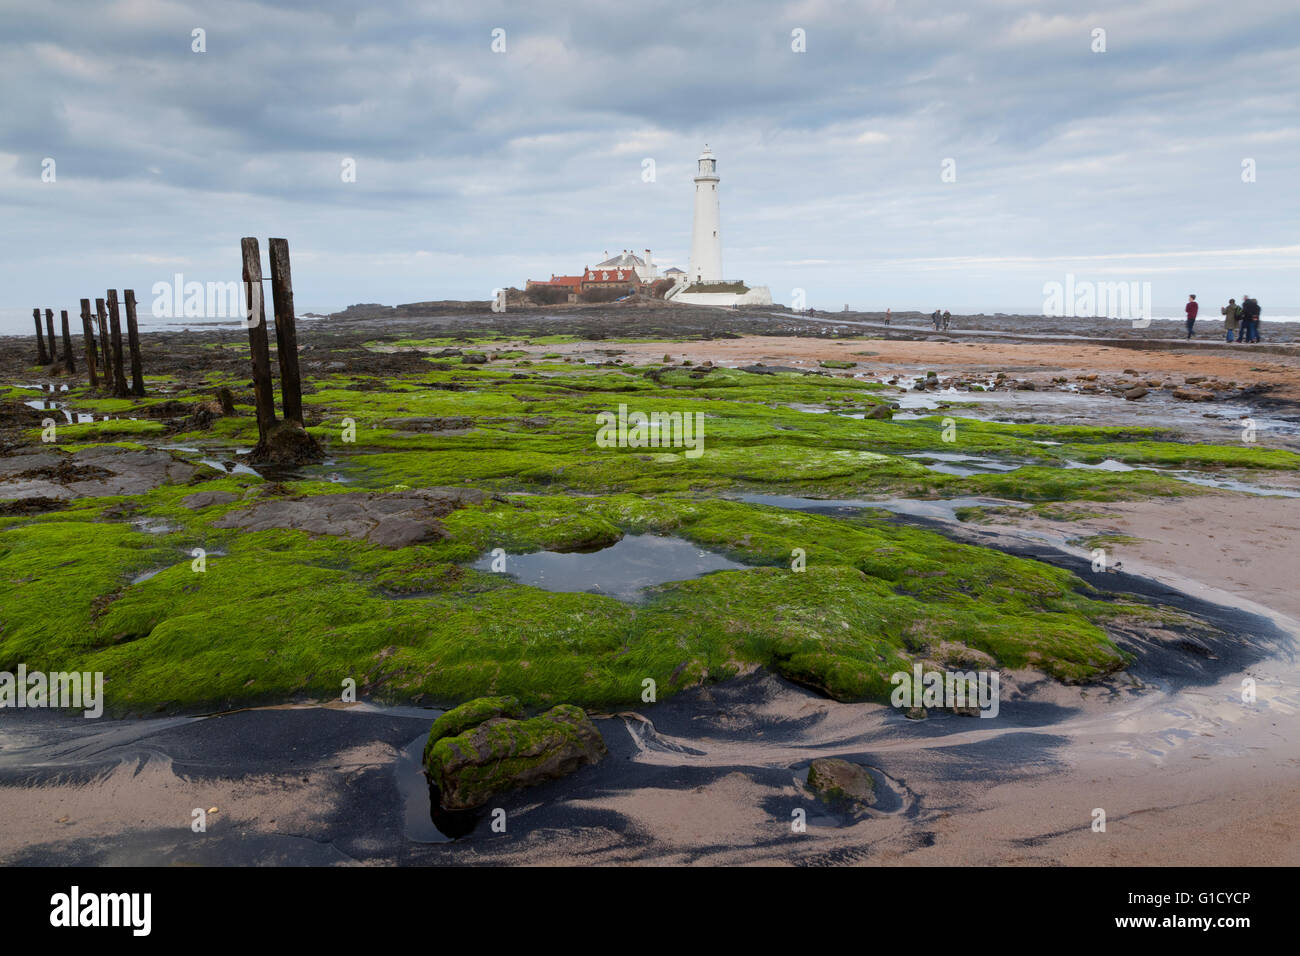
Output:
(1191, 310)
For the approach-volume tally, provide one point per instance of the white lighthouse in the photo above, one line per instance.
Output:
(704, 284)
(706, 246)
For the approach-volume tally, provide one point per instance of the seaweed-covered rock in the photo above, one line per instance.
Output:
(835, 780)
(469, 715)
(502, 754)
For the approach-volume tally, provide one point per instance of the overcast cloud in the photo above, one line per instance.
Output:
(477, 169)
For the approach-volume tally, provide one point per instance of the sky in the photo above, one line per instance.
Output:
(956, 154)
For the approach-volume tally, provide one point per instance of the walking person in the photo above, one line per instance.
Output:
(947, 318)
(1231, 319)
(1191, 310)
(888, 312)
(936, 318)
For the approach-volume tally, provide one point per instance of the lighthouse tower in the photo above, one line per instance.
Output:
(706, 246)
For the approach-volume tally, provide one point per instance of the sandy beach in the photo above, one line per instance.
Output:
(1185, 770)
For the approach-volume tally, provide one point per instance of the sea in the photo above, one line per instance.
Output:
(18, 320)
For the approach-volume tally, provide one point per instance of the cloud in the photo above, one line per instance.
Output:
(473, 165)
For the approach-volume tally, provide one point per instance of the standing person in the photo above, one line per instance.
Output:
(1231, 318)
(1191, 309)
(936, 318)
(887, 315)
(947, 318)
(1250, 313)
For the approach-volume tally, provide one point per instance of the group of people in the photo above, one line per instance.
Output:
(1240, 322)
(939, 318)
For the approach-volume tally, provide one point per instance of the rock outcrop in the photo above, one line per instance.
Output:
(392, 520)
(502, 753)
(39, 471)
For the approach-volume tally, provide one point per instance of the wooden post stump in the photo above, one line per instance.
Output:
(49, 336)
(255, 319)
(101, 316)
(286, 332)
(69, 362)
(115, 328)
(133, 340)
(88, 338)
(41, 357)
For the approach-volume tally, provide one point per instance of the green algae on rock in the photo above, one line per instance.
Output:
(469, 715)
(503, 754)
(277, 613)
(839, 781)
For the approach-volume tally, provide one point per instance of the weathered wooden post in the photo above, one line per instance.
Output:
(41, 357)
(255, 319)
(101, 316)
(88, 337)
(49, 335)
(133, 339)
(115, 328)
(68, 361)
(286, 332)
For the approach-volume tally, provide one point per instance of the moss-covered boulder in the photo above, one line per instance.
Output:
(502, 754)
(468, 716)
(838, 781)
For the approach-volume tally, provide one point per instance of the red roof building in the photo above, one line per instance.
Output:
(605, 278)
(569, 283)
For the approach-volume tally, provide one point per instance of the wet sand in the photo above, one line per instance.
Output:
(1280, 373)
(712, 777)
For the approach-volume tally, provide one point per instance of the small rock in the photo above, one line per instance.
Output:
(1133, 394)
(205, 499)
(502, 754)
(835, 780)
